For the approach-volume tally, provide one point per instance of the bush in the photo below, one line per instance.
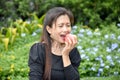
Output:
(13, 62)
(99, 50)
(91, 12)
(19, 28)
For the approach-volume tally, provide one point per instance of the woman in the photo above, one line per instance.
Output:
(55, 57)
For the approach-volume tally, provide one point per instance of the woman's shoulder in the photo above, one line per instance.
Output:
(37, 49)
(37, 46)
(37, 52)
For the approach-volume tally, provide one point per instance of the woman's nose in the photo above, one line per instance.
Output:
(65, 28)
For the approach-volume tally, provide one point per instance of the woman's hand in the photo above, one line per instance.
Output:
(70, 43)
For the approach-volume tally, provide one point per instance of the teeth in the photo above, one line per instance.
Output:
(63, 35)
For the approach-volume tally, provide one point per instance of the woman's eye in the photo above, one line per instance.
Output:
(68, 25)
(60, 26)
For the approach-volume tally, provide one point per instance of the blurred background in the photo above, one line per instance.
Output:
(97, 25)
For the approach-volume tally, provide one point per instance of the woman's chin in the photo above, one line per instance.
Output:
(62, 42)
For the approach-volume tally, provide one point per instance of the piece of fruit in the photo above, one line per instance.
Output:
(70, 36)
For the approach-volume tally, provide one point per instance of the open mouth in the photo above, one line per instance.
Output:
(63, 37)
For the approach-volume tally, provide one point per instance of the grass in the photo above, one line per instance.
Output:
(85, 78)
(102, 78)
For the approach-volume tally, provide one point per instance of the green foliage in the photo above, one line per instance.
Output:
(13, 63)
(20, 28)
(102, 78)
(91, 12)
(99, 50)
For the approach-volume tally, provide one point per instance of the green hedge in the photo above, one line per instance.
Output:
(89, 12)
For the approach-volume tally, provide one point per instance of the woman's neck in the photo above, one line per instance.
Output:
(57, 47)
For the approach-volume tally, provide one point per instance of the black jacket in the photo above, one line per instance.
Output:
(58, 72)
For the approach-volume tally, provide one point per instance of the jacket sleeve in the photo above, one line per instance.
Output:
(35, 62)
(71, 71)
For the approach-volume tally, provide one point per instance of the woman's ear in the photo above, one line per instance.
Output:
(49, 30)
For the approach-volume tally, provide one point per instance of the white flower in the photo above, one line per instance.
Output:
(89, 33)
(87, 58)
(74, 27)
(82, 51)
(98, 58)
(102, 42)
(32, 5)
(80, 35)
(115, 73)
(92, 52)
(116, 57)
(118, 37)
(106, 36)
(23, 34)
(88, 49)
(112, 63)
(93, 69)
(82, 30)
(107, 67)
(92, 42)
(112, 36)
(38, 30)
(83, 55)
(79, 47)
(28, 21)
(100, 69)
(118, 61)
(114, 46)
(95, 49)
(118, 24)
(98, 74)
(109, 57)
(101, 55)
(101, 61)
(97, 33)
(119, 50)
(34, 34)
(102, 64)
(108, 49)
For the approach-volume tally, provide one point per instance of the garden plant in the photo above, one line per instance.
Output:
(99, 50)
(97, 26)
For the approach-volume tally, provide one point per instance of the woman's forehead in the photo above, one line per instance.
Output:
(62, 19)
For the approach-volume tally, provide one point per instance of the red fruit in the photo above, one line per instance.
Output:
(70, 36)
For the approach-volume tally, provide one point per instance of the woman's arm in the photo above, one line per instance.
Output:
(71, 64)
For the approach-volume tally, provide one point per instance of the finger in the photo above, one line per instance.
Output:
(70, 36)
(75, 39)
(68, 43)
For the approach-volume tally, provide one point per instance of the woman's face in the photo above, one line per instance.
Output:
(60, 29)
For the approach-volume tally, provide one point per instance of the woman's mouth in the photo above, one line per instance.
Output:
(63, 37)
